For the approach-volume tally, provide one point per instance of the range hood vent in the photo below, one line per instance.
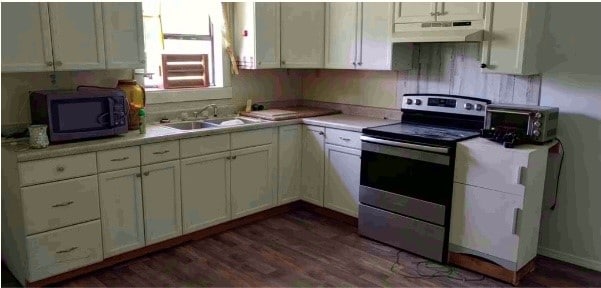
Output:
(427, 35)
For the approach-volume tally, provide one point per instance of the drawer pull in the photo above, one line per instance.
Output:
(120, 159)
(60, 169)
(146, 173)
(160, 152)
(321, 133)
(234, 157)
(138, 175)
(344, 139)
(62, 204)
(66, 250)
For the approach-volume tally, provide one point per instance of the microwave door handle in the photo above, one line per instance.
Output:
(111, 112)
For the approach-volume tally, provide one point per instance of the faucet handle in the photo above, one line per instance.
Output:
(195, 114)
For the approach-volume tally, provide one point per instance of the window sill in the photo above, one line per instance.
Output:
(156, 96)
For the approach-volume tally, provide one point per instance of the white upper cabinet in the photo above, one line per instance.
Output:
(77, 36)
(451, 11)
(124, 35)
(375, 48)
(26, 44)
(414, 12)
(515, 34)
(257, 34)
(302, 34)
(341, 35)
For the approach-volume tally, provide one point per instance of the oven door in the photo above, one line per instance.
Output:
(411, 179)
(79, 118)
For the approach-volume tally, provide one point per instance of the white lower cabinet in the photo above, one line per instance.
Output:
(205, 191)
(121, 211)
(342, 173)
(486, 221)
(289, 163)
(251, 180)
(312, 164)
(162, 201)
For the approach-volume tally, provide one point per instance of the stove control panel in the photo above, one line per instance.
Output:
(445, 104)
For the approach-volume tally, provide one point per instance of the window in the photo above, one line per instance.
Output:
(181, 44)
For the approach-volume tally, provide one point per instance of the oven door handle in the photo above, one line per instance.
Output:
(406, 145)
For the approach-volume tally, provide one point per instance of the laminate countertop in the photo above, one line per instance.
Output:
(158, 133)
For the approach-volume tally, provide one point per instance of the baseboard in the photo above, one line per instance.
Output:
(570, 258)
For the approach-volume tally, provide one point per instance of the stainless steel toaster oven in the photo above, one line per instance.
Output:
(524, 123)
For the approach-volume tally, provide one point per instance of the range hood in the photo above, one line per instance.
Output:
(451, 35)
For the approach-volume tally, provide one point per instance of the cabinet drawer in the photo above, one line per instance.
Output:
(118, 158)
(58, 204)
(65, 249)
(204, 145)
(252, 138)
(343, 138)
(46, 170)
(160, 152)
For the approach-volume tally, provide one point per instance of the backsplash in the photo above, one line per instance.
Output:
(448, 68)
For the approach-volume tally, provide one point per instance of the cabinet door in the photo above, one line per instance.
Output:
(77, 37)
(451, 11)
(162, 201)
(121, 211)
(302, 34)
(312, 165)
(342, 173)
(485, 220)
(375, 47)
(414, 12)
(205, 191)
(124, 35)
(251, 180)
(289, 163)
(341, 35)
(26, 45)
(267, 30)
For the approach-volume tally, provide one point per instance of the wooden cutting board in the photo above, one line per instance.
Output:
(289, 113)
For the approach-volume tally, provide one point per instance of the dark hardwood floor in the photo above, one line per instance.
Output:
(303, 249)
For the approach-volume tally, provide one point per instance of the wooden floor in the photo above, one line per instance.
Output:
(303, 249)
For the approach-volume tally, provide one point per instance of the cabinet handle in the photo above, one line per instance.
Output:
(60, 169)
(233, 157)
(354, 63)
(483, 65)
(138, 175)
(120, 159)
(433, 13)
(66, 250)
(520, 175)
(360, 63)
(228, 157)
(143, 61)
(283, 62)
(49, 63)
(344, 139)
(62, 204)
(514, 228)
(160, 152)
(321, 133)
(58, 63)
(146, 173)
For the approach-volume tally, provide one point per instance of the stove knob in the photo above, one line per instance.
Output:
(536, 132)
(409, 101)
(538, 115)
(418, 102)
(468, 106)
(479, 107)
(536, 123)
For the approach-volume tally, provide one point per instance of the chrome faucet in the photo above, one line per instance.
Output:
(214, 106)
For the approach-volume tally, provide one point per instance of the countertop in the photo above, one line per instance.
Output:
(157, 133)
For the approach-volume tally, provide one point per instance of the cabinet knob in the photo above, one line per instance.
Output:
(234, 157)
(49, 63)
(283, 62)
(143, 61)
(146, 173)
(483, 65)
(60, 169)
(354, 63)
(138, 175)
(433, 13)
(59, 63)
(321, 133)
(360, 63)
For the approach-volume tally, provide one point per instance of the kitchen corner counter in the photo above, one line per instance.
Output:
(348, 122)
(157, 133)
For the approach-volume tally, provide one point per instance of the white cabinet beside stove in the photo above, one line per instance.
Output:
(342, 173)
(497, 200)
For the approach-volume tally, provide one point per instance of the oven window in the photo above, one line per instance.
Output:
(418, 179)
(510, 122)
(80, 115)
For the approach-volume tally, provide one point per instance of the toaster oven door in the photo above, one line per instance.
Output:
(508, 120)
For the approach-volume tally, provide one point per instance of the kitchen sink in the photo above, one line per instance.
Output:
(193, 125)
(243, 119)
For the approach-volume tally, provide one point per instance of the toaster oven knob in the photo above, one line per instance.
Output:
(536, 132)
(479, 107)
(536, 123)
(418, 102)
(409, 101)
(468, 106)
(538, 115)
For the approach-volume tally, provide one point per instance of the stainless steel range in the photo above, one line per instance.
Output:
(407, 172)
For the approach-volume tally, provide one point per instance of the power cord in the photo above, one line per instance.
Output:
(563, 154)
(439, 270)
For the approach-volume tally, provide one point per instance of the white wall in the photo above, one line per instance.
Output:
(572, 232)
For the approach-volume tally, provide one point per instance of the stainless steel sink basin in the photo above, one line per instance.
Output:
(193, 125)
(243, 119)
